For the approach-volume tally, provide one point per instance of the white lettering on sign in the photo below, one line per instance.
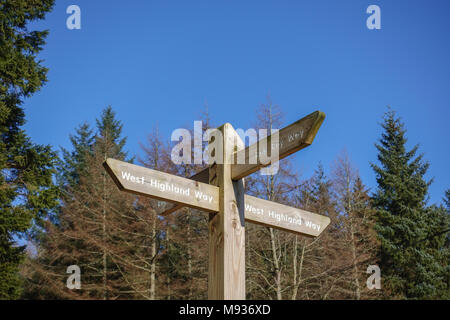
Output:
(291, 137)
(167, 187)
(250, 208)
(129, 177)
(201, 196)
(312, 225)
(284, 218)
(280, 217)
(170, 187)
(296, 135)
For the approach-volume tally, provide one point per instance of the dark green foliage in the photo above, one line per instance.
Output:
(109, 135)
(411, 257)
(26, 169)
(73, 163)
(83, 231)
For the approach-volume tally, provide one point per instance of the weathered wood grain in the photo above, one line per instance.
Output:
(226, 275)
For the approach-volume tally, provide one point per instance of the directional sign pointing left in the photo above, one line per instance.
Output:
(163, 186)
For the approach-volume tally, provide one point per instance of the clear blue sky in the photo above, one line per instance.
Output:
(157, 62)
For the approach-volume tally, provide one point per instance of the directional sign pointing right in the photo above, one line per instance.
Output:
(292, 138)
(279, 216)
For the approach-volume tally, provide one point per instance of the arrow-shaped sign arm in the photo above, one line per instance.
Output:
(163, 186)
(318, 118)
(202, 176)
(279, 216)
(292, 138)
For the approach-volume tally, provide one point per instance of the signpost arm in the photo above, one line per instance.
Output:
(226, 276)
(202, 176)
(292, 138)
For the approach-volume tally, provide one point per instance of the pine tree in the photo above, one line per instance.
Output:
(98, 228)
(26, 169)
(407, 258)
(73, 163)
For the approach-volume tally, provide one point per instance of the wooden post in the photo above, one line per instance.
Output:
(220, 191)
(226, 276)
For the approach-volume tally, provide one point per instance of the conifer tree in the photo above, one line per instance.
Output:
(73, 163)
(99, 228)
(410, 266)
(26, 169)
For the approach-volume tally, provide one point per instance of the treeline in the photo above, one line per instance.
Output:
(69, 212)
(125, 250)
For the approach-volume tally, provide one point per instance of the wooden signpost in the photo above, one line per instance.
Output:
(219, 190)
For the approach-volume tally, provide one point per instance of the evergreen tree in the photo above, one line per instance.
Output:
(73, 163)
(111, 235)
(109, 141)
(26, 169)
(408, 258)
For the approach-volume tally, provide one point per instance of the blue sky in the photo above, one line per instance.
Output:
(157, 62)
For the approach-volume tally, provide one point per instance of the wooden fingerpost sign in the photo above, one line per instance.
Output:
(219, 190)
(226, 276)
